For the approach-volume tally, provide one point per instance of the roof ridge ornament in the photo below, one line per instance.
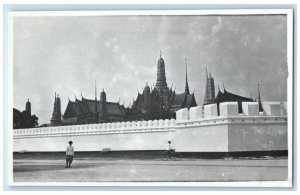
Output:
(187, 90)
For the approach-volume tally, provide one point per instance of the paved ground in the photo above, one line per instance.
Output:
(96, 170)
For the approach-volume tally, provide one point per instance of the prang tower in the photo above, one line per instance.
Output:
(56, 115)
(28, 107)
(209, 90)
(161, 83)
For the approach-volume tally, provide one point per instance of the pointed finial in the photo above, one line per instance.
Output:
(206, 73)
(95, 86)
(185, 67)
(95, 91)
(218, 87)
(160, 54)
(28, 100)
(223, 85)
(75, 96)
(81, 95)
(187, 90)
(68, 98)
(259, 99)
(258, 91)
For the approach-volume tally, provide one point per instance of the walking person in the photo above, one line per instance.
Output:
(69, 155)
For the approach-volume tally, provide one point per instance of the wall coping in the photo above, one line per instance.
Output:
(145, 126)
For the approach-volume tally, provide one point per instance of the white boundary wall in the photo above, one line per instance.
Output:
(230, 132)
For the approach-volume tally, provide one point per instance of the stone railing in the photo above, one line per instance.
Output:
(104, 128)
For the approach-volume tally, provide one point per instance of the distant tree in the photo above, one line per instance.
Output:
(22, 120)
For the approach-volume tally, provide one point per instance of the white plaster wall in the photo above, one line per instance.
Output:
(202, 139)
(182, 114)
(210, 111)
(125, 141)
(229, 109)
(257, 137)
(196, 113)
(192, 139)
(250, 108)
(272, 108)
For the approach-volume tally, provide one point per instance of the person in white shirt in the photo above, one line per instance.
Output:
(171, 151)
(69, 154)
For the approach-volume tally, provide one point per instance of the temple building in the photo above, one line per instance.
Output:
(225, 96)
(159, 102)
(87, 111)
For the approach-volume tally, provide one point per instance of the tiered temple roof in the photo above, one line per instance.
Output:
(84, 109)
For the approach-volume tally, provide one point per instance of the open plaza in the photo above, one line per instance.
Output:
(120, 169)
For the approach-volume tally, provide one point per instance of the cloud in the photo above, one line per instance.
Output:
(116, 49)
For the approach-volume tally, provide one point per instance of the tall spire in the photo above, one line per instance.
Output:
(96, 107)
(54, 99)
(206, 89)
(56, 114)
(259, 99)
(28, 107)
(209, 97)
(187, 91)
(161, 83)
(103, 109)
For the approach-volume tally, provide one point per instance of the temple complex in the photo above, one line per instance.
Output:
(156, 102)
(159, 102)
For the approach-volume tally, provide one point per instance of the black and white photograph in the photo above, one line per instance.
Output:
(185, 97)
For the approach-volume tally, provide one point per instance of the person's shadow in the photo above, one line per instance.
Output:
(49, 167)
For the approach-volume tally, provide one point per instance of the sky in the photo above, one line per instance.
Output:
(67, 54)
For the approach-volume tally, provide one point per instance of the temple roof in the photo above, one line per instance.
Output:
(85, 106)
(179, 99)
(189, 100)
(229, 97)
(183, 100)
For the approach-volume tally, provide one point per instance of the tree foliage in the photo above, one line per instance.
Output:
(22, 120)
